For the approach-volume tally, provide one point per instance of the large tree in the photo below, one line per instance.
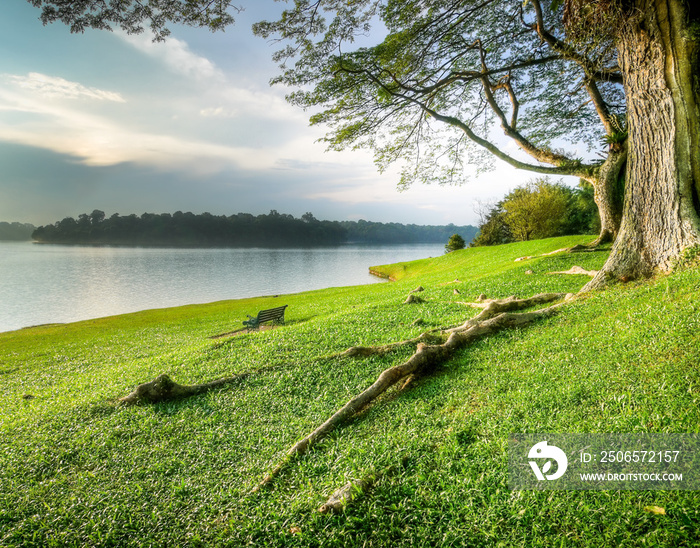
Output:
(445, 72)
(542, 69)
(658, 47)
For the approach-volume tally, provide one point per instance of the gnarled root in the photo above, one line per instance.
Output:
(347, 494)
(163, 388)
(493, 307)
(426, 358)
(366, 351)
(577, 270)
(353, 490)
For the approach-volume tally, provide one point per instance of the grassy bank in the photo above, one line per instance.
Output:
(78, 470)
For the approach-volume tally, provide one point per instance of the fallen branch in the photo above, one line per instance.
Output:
(426, 358)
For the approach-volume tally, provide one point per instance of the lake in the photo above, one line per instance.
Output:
(57, 283)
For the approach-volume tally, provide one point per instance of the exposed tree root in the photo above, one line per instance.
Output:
(605, 237)
(366, 351)
(574, 249)
(353, 490)
(492, 307)
(577, 270)
(347, 494)
(562, 250)
(163, 388)
(495, 316)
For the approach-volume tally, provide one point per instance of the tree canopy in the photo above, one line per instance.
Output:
(445, 73)
(455, 243)
(132, 15)
(574, 70)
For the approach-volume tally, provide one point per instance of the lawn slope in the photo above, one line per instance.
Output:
(78, 470)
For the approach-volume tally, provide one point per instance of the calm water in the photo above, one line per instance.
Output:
(54, 283)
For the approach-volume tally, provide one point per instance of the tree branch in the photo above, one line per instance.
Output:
(589, 67)
(565, 167)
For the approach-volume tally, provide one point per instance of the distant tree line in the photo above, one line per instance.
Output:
(539, 209)
(16, 231)
(240, 230)
(395, 233)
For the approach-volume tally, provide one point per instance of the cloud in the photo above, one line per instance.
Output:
(56, 87)
(218, 112)
(50, 112)
(100, 140)
(206, 125)
(219, 96)
(176, 55)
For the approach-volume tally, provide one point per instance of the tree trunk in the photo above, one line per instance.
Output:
(658, 55)
(606, 194)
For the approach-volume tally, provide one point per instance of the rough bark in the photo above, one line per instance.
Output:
(658, 55)
(606, 196)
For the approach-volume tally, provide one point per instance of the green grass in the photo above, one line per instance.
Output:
(78, 470)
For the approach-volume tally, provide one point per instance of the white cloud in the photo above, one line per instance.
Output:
(218, 112)
(56, 87)
(99, 140)
(176, 55)
(184, 131)
(219, 97)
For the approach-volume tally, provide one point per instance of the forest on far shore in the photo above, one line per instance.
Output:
(240, 230)
(16, 232)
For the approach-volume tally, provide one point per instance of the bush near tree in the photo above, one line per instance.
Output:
(539, 209)
(454, 243)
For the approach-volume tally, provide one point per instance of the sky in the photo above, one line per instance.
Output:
(103, 120)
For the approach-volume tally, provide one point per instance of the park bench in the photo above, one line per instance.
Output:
(275, 315)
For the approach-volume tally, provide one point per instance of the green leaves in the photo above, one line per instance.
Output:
(132, 16)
